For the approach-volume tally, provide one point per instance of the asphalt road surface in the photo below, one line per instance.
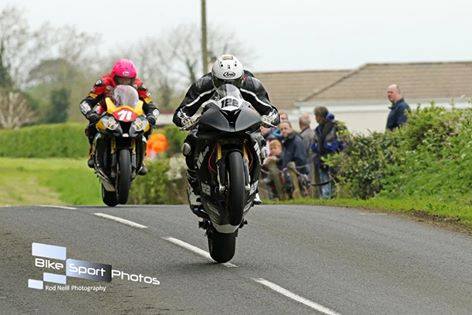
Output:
(289, 260)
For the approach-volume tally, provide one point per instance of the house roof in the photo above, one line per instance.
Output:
(425, 80)
(287, 87)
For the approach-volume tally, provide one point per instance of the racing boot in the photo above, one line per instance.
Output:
(257, 199)
(90, 161)
(143, 170)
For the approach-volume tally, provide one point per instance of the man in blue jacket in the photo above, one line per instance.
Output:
(399, 108)
(325, 142)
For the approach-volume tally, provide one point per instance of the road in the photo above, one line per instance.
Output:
(289, 260)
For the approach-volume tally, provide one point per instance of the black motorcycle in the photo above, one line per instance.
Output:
(228, 163)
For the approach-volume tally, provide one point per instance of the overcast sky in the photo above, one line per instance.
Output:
(285, 34)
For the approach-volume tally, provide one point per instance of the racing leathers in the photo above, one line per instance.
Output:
(94, 104)
(201, 91)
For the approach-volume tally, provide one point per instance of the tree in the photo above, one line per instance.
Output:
(21, 48)
(40, 60)
(60, 102)
(183, 47)
(5, 78)
(15, 110)
(171, 62)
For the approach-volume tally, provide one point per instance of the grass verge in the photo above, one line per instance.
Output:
(47, 181)
(429, 209)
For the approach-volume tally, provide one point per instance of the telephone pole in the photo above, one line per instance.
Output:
(204, 38)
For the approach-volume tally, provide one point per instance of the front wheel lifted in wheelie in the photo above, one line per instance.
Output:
(236, 192)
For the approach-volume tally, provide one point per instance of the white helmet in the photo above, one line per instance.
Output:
(227, 70)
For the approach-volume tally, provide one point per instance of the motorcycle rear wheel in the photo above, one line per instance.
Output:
(221, 246)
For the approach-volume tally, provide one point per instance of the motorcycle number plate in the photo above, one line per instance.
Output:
(125, 115)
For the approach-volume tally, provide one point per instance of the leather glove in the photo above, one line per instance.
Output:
(271, 119)
(187, 122)
(92, 116)
(151, 119)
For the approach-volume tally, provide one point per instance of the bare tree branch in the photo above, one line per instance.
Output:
(14, 110)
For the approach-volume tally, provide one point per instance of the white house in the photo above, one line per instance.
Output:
(359, 97)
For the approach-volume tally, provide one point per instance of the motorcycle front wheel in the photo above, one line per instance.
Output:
(236, 192)
(123, 180)
(109, 197)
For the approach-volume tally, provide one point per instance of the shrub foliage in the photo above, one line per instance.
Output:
(431, 156)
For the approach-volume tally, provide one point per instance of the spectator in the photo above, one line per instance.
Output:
(275, 152)
(273, 180)
(268, 133)
(399, 108)
(283, 116)
(293, 149)
(307, 135)
(326, 141)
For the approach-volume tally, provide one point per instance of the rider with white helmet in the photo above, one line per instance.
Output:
(227, 69)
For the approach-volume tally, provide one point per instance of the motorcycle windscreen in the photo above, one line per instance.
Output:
(226, 90)
(125, 95)
(247, 119)
(214, 119)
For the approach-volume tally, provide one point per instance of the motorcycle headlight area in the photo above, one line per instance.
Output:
(140, 124)
(110, 123)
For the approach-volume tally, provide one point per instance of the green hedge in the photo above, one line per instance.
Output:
(430, 157)
(43, 141)
(64, 140)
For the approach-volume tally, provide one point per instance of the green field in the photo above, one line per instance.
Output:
(47, 181)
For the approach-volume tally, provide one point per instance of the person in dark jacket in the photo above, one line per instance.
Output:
(308, 136)
(325, 142)
(398, 109)
(293, 148)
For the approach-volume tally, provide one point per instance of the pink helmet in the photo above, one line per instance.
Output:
(124, 68)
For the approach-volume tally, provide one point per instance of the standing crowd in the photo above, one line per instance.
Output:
(304, 149)
(308, 148)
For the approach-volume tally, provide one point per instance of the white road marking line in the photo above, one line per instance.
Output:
(121, 220)
(59, 207)
(195, 250)
(293, 296)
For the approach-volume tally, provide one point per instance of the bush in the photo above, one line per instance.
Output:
(441, 165)
(165, 183)
(175, 137)
(43, 141)
(430, 156)
(362, 166)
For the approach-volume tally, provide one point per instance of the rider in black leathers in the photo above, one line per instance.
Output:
(226, 70)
